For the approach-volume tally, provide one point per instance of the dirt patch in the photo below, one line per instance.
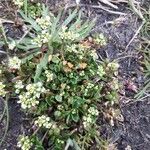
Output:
(15, 125)
(136, 125)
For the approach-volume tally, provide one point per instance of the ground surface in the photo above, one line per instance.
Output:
(134, 131)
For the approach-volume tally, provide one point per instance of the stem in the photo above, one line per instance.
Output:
(35, 132)
(3, 113)
(2, 31)
(7, 121)
(3, 34)
(44, 136)
(26, 7)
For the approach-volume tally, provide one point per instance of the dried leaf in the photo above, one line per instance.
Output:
(70, 65)
(82, 65)
(67, 69)
(131, 86)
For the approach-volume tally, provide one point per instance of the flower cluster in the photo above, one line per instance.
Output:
(100, 40)
(24, 142)
(73, 48)
(114, 84)
(49, 75)
(68, 35)
(60, 141)
(94, 54)
(101, 71)
(90, 118)
(35, 89)
(31, 97)
(35, 10)
(42, 38)
(18, 86)
(113, 66)
(18, 3)
(27, 102)
(44, 22)
(93, 111)
(14, 63)
(90, 85)
(2, 90)
(77, 49)
(43, 121)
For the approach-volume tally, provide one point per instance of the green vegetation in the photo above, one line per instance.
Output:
(145, 49)
(58, 79)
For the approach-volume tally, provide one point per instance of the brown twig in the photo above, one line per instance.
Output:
(97, 7)
(136, 33)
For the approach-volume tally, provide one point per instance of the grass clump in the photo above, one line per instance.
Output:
(145, 49)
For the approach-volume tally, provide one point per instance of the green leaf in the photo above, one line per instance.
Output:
(58, 98)
(45, 10)
(55, 59)
(75, 117)
(40, 67)
(68, 144)
(73, 27)
(73, 144)
(84, 33)
(2, 43)
(26, 47)
(26, 7)
(29, 20)
(29, 57)
(70, 18)
(54, 25)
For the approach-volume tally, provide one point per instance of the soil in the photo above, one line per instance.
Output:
(15, 124)
(134, 130)
(136, 125)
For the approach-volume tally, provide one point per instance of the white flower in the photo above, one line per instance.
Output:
(31, 97)
(18, 3)
(101, 71)
(35, 89)
(93, 111)
(90, 85)
(2, 90)
(82, 73)
(94, 54)
(49, 75)
(44, 22)
(24, 142)
(113, 65)
(100, 39)
(12, 45)
(19, 86)
(68, 35)
(87, 121)
(43, 121)
(41, 39)
(26, 102)
(60, 141)
(14, 63)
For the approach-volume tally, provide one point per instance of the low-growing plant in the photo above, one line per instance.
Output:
(145, 50)
(60, 81)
